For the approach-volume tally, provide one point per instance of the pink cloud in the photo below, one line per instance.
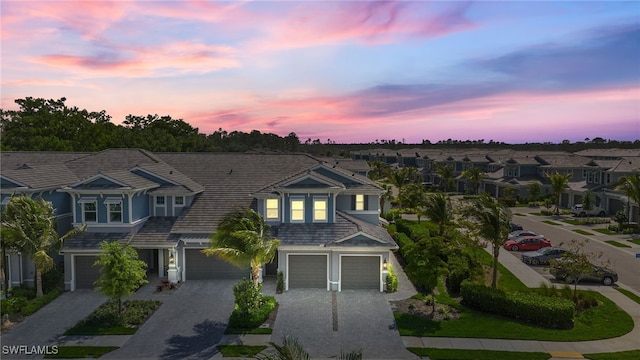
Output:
(165, 60)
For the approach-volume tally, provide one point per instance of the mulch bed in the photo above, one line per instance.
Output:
(420, 308)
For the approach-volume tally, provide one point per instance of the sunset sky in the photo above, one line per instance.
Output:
(348, 71)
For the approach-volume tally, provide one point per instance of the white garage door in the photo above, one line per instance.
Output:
(360, 272)
(198, 266)
(307, 271)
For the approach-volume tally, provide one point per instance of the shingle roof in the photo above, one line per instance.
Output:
(107, 160)
(156, 231)
(15, 159)
(170, 173)
(92, 240)
(627, 165)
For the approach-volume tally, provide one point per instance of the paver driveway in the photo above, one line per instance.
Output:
(188, 325)
(364, 321)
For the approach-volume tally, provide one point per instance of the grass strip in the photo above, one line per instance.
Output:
(240, 350)
(582, 232)
(461, 354)
(635, 241)
(573, 222)
(253, 331)
(80, 352)
(630, 295)
(600, 322)
(551, 222)
(96, 330)
(605, 231)
(617, 243)
(621, 355)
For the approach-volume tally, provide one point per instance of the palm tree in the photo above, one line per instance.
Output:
(29, 225)
(439, 210)
(558, 183)
(242, 238)
(630, 185)
(491, 223)
(474, 175)
(402, 177)
(412, 197)
(446, 176)
(387, 195)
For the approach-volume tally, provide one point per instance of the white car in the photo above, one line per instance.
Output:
(578, 210)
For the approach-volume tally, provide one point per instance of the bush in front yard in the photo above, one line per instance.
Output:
(253, 318)
(550, 312)
(391, 280)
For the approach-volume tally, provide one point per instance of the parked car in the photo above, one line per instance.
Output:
(518, 233)
(542, 256)
(527, 243)
(578, 210)
(599, 274)
(515, 227)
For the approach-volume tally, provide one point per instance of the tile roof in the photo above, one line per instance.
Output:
(170, 173)
(608, 152)
(331, 234)
(15, 159)
(563, 161)
(41, 176)
(155, 232)
(108, 160)
(92, 240)
(627, 165)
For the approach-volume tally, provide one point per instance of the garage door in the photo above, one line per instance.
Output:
(198, 266)
(85, 272)
(360, 272)
(307, 271)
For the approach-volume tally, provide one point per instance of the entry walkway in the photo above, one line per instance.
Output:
(558, 350)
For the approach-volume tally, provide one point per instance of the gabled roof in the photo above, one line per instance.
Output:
(120, 179)
(156, 231)
(627, 165)
(112, 159)
(172, 175)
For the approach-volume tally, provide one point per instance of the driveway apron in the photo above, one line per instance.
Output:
(188, 325)
(45, 326)
(327, 323)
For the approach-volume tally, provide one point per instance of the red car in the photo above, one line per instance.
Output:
(527, 243)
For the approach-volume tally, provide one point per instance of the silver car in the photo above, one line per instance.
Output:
(543, 255)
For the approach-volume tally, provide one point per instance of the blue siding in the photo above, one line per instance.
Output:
(338, 177)
(101, 182)
(6, 184)
(140, 204)
(308, 206)
(102, 208)
(61, 202)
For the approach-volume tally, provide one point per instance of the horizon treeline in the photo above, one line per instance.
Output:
(50, 125)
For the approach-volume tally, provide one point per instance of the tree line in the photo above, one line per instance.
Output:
(51, 125)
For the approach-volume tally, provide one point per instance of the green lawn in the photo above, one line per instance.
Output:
(551, 222)
(629, 294)
(635, 241)
(254, 331)
(105, 319)
(573, 222)
(602, 322)
(80, 352)
(240, 350)
(459, 354)
(582, 232)
(616, 243)
(605, 231)
(622, 355)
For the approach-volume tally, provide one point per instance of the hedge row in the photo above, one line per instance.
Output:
(549, 312)
(255, 317)
(20, 304)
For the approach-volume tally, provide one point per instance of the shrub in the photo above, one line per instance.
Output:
(459, 270)
(253, 318)
(37, 303)
(247, 296)
(51, 279)
(391, 280)
(550, 312)
(13, 304)
(23, 291)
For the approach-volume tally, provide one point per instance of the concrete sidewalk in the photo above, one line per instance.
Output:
(558, 350)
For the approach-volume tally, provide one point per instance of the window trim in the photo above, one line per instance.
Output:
(175, 201)
(267, 208)
(109, 212)
(164, 201)
(324, 200)
(291, 210)
(84, 211)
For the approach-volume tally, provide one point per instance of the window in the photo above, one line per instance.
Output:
(359, 202)
(89, 212)
(271, 209)
(584, 173)
(320, 209)
(178, 201)
(115, 212)
(297, 209)
(160, 200)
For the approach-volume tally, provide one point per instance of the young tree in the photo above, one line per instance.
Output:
(630, 185)
(587, 202)
(121, 272)
(491, 222)
(474, 175)
(534, 191)
(29, 226)
(242, 238)
(576, 264)
(558, 183)
(445, 172)
(412, 197)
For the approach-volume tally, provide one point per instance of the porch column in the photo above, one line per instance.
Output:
(161, 262)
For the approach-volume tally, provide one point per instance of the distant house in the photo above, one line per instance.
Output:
(167, 206)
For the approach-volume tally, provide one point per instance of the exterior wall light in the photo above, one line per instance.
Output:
(384, 264)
